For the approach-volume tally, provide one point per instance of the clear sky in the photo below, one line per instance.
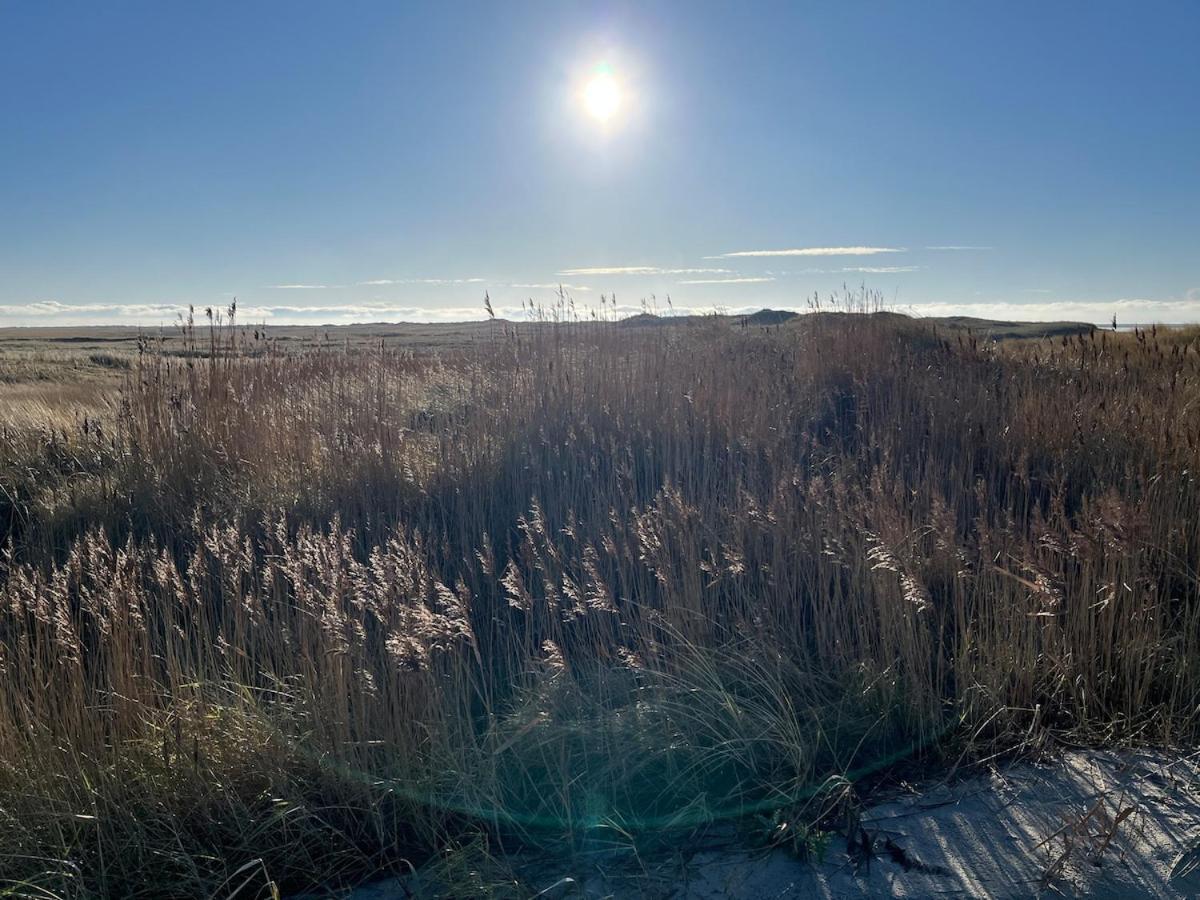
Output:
(360, 161)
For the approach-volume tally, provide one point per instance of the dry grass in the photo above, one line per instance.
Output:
(288, 618)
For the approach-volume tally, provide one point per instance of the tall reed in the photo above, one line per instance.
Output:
(324, 610)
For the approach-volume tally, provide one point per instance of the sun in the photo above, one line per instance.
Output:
(602, 95)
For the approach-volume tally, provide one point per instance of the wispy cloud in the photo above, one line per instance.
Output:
(549, 286)
(1037, 291)
(300, 287)
(744, 280)
(845, 270)
(881, 270)
(380, 282)
(812, 251)
(957, 247)
(612, 270)
(641, 270)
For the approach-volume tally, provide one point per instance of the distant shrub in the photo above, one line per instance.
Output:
(110, 360)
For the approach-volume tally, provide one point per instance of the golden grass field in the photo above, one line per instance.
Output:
(283, 609)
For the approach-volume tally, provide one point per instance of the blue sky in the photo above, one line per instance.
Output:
(382, 161)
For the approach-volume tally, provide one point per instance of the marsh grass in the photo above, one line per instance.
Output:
(301, 617)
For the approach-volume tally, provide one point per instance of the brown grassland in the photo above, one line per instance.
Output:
(279, 615)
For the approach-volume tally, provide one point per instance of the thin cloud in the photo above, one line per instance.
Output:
(612, 270)
(812, 251)
(300, 287)
(844, 270)
(642, 270)
(550, 286)
(726, 280)
(380, 282)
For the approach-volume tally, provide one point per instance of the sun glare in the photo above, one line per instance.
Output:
(602, 95)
